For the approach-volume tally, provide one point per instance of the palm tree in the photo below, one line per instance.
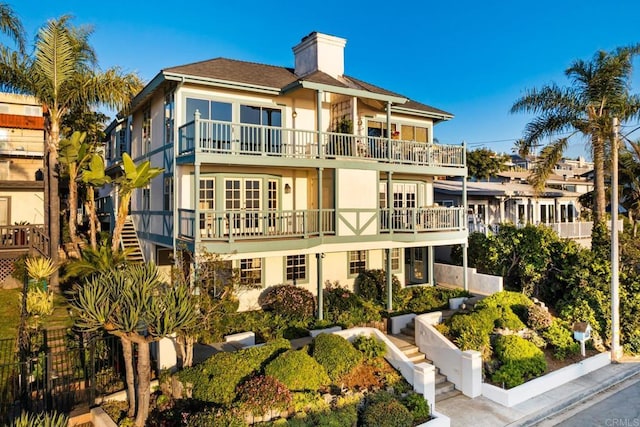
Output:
(11, 25)
(599, 91)
(62, 74)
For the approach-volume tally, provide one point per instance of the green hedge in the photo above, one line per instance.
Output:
(370, 347)
(298, 371)
(215, 380)
(521, 360)
(336, 354)
(561, 339)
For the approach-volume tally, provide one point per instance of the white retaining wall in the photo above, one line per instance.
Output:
(479, 284)
(545, 383)
(462, 368)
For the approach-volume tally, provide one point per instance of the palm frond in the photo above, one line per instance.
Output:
(549, 157)
(55, 60)
(11, 25)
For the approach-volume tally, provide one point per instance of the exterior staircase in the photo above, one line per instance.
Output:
(405, 341)
(129, 240)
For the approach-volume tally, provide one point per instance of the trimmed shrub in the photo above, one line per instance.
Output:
(388, 413)
(516, 301)
(336, 354)
(216, 417)
(423, 299)
(561, 339)
(298, 371)
(471, 331)
(371, 285)
(521, 360)
(370, 347)
(538, 318)
(216, 379)
(263, 393)
(344, 308)
(418, 406)
(289, 301)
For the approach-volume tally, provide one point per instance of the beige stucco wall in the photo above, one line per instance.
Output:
(25, 206)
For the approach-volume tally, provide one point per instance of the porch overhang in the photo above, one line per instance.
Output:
(359, 93)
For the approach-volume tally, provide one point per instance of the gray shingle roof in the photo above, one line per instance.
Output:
(279, 77)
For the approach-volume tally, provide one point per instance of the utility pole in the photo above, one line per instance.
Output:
(616, 350)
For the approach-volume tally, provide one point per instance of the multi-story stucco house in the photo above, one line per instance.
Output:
(296, 175)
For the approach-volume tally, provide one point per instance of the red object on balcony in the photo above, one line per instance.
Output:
(21, 122)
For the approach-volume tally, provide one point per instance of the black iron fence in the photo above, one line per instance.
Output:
(58, 370)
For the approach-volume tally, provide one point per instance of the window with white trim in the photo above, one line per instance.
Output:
(146, 130)
(357, 262)
(296, 268)
(4, 210)
(167, 203)
(395, 259)
(251, 271)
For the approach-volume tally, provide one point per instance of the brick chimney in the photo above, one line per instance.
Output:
(320, 52)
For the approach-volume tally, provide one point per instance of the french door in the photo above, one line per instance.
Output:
(242, 203)
(404, 204)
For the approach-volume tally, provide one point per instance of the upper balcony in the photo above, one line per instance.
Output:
(22, 147)
(238, 139)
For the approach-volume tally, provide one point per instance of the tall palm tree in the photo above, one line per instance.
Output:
(62, 73)
(598, 92)
(11, 25)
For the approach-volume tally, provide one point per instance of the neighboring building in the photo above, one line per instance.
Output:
(21, 160)
(509, 197)
(290, 172)
(21, 178)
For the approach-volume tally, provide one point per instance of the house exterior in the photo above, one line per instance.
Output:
(21, 160)
(295, 175)
(509, 197)
(22, 150)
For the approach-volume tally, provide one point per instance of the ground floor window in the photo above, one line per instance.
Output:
(296, 268)
(357, 262)
(395, 259)
(251, 271)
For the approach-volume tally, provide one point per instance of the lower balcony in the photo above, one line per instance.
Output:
(229, 226)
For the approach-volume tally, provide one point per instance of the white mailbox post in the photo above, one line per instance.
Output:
(581, 332)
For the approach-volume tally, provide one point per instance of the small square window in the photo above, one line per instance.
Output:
(296, 268)
(357, 262)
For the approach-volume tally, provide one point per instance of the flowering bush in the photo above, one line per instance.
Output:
(343, 307)
(263, 393)
(538, 318)
(289, 301)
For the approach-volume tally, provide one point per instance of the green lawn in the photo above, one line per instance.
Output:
(10, 313)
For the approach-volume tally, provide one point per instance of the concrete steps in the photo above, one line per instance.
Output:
(405, 341)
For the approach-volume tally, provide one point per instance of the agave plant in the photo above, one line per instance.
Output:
(40, 268)
(40, 420)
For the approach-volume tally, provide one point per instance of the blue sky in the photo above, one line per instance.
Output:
(470, 58)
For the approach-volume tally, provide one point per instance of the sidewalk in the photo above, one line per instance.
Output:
(480, 412)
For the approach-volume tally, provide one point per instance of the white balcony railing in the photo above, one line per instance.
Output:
(217, 137)
(246, 224)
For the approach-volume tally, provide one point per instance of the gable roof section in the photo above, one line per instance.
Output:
(231, 72)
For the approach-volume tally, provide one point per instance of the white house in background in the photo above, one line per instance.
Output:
(296, 174)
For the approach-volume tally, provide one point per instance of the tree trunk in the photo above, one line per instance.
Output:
(73, 207)
(127, 353)
(144, 382)
(94, 224)
(121, 217)
(54, 200)
(599, 199)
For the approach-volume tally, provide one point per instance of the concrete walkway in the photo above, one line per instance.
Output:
(482, 412)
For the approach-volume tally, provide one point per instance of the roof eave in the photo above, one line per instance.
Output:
(228, 84)
(422, 113)
(344, 91)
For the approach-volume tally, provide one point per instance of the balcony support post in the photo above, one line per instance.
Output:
(387, 252)
(320, 216)
(319, 258)
(196, 204)
(431, 265)
(390, 201)
(389, 148)
(319, 96)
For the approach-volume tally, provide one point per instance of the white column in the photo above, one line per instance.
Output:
(471, 373)
(424, 382)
